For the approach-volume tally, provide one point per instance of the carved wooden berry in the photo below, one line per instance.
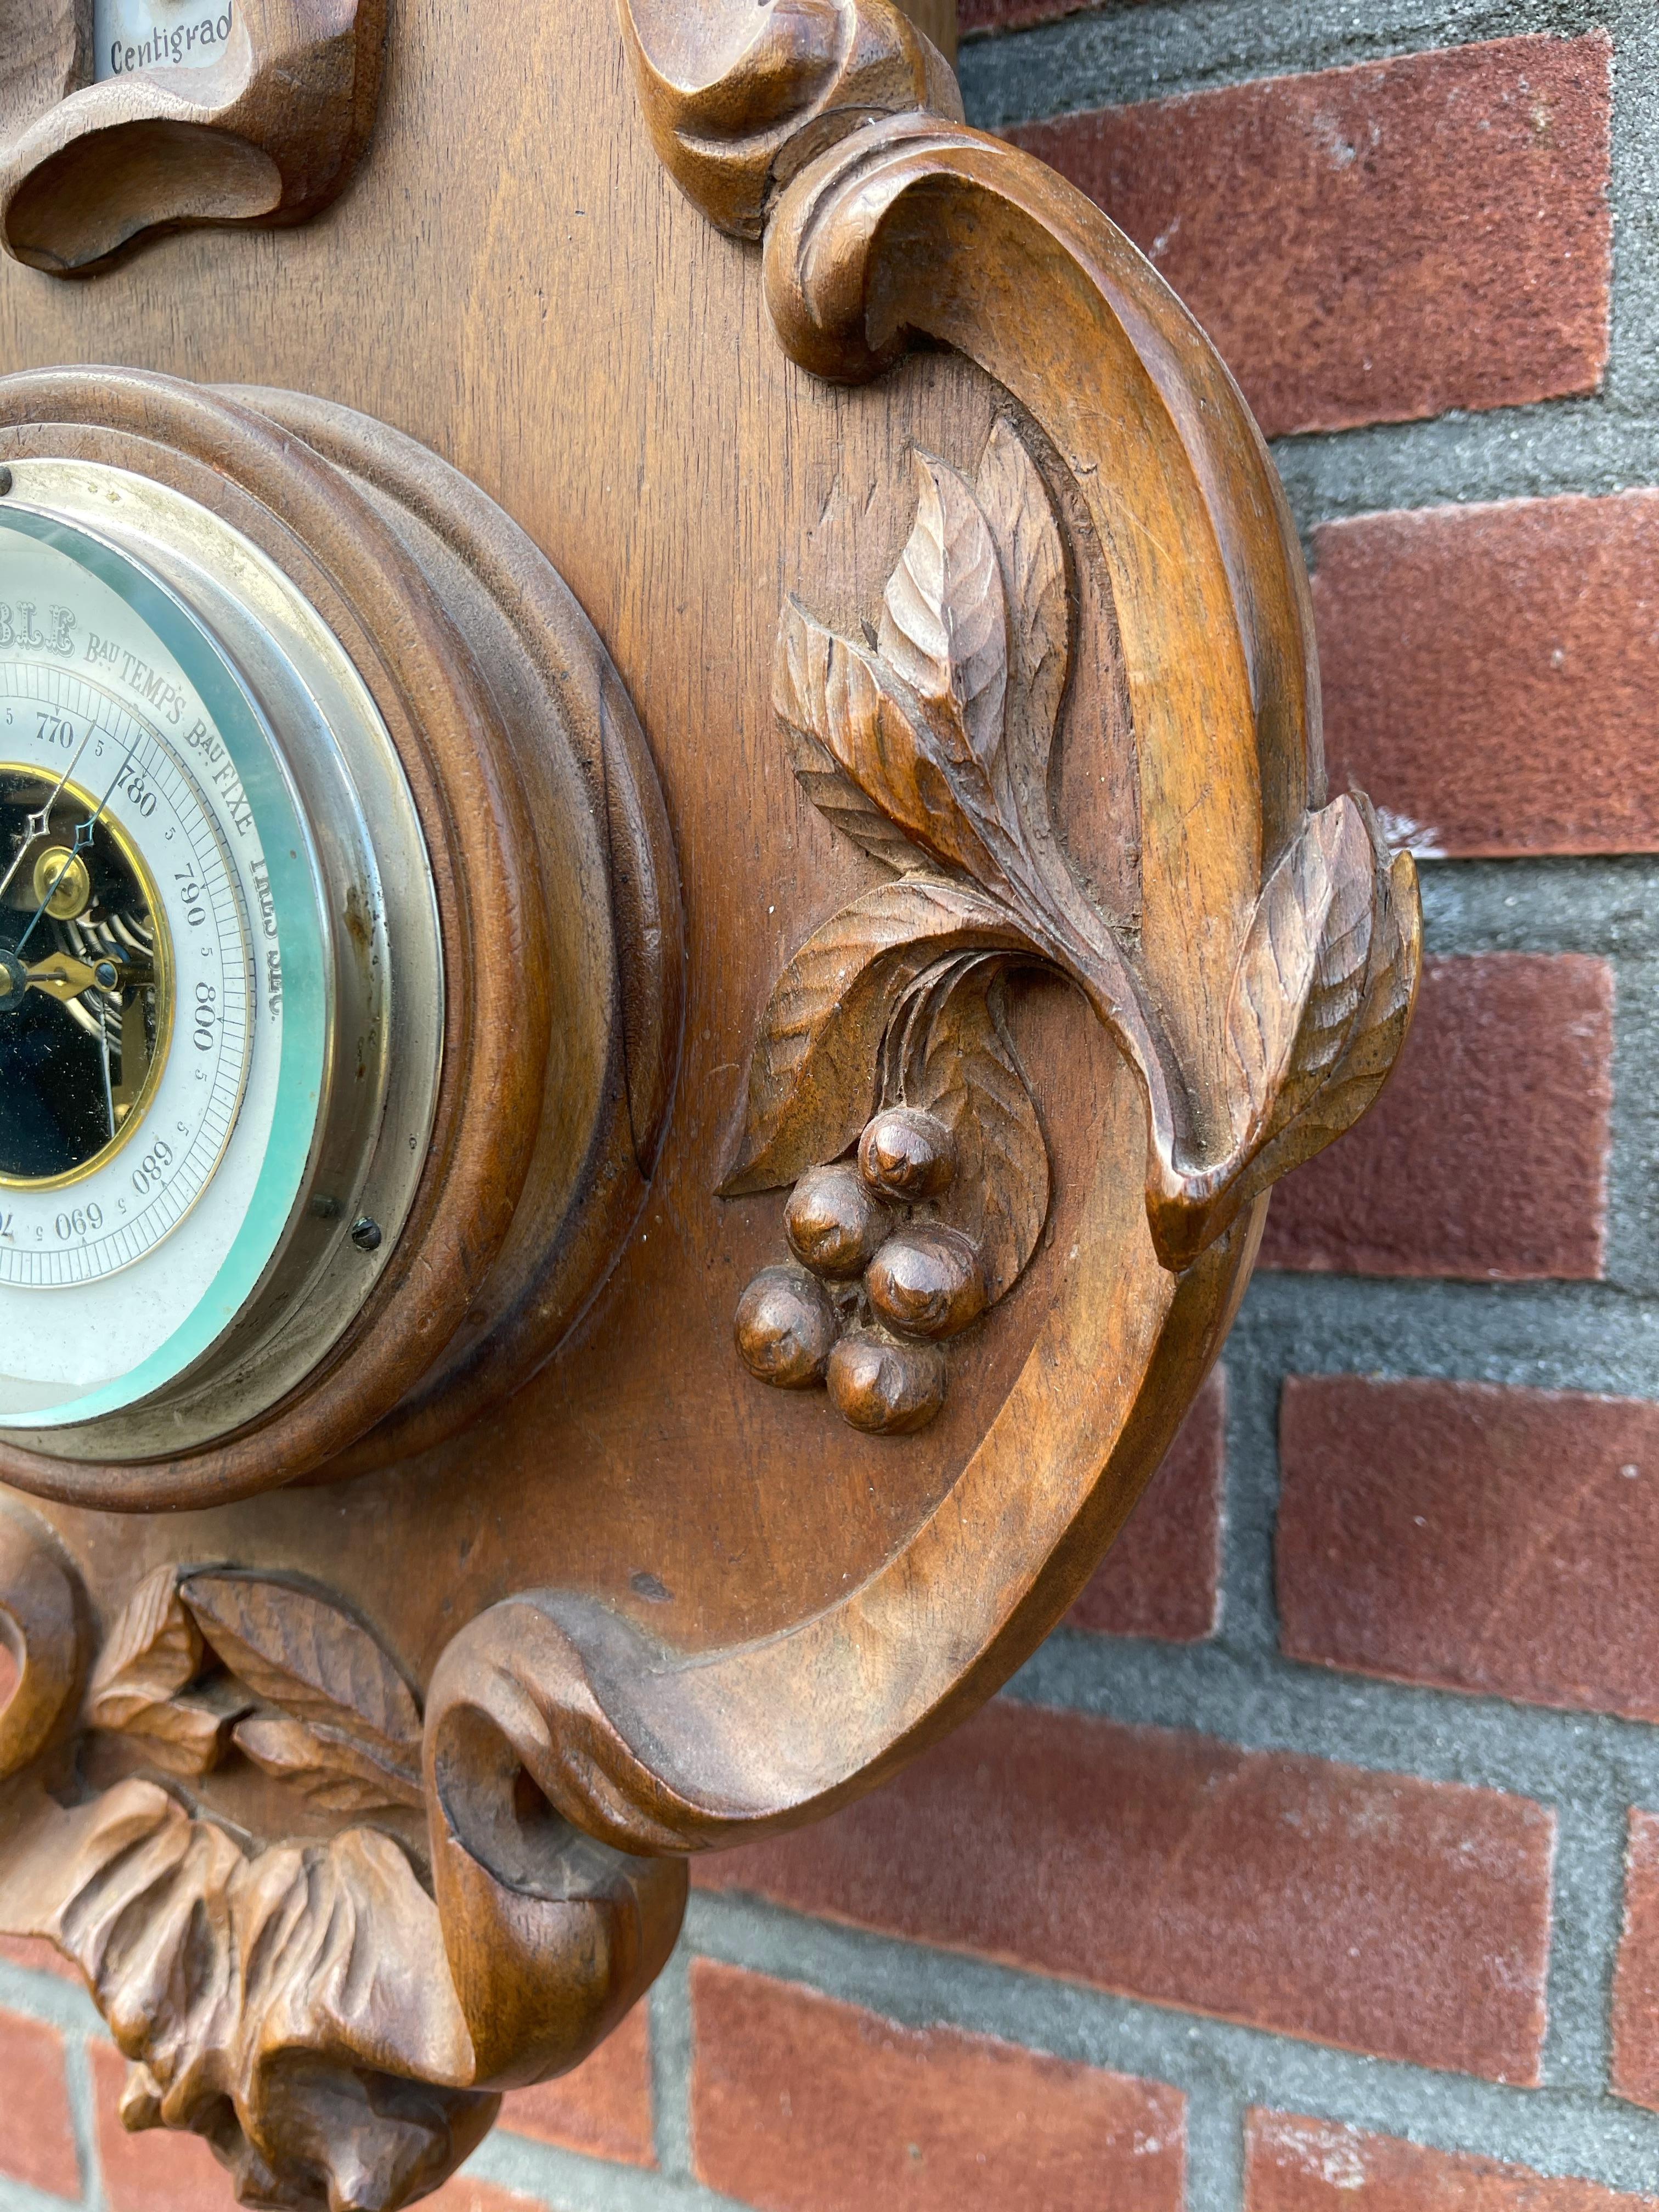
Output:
(785, 1327)
(907, 1155)
(834, 1222)
(927, 1281)
(886, 1386)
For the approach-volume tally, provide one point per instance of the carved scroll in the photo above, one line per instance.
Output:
(738, 99)
(337, 2016)
(929, 747)
(267, 130)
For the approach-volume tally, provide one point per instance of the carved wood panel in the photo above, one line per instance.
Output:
(853, 675)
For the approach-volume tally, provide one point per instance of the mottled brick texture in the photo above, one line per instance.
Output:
(1499, 1541)
(803, 2105)
(39, 1956)
(1635, 1982)
(1375, 244)
(604, 2108)
(37, 2137)
(1012, 14)
(1490, 672)
(1163, 1577)
(1378, 1911)
(1297, 2165)
(1487, 1156)
(464, 2194)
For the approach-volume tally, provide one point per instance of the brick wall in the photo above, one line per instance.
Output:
(1314, 1865)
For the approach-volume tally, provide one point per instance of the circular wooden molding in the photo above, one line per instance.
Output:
(556, 894)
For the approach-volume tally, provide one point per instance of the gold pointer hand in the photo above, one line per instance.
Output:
(60, 977)
(63, 978)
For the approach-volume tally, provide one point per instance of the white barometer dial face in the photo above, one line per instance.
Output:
(169, 979)
(90, 983)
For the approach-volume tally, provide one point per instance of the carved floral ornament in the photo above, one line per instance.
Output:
(330, 1985)
(885, 1086)
(331, 1915)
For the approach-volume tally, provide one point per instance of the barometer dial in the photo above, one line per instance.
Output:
(89, 992)
(340, 964)
(194, 1054)
(86, 988)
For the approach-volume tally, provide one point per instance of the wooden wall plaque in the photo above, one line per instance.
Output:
(668, 904)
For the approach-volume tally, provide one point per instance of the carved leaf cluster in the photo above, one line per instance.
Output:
(930, 751)
(929, 745)
(200, 1663)
(294, 2007)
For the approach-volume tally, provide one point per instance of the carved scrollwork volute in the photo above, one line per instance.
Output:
(737, 101)
(552, 1935)
(337, 2014)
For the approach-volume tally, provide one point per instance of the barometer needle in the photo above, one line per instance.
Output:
(83, 839)
(109, 1090)
(36, 824)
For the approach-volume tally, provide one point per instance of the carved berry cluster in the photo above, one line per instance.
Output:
(880, 1283)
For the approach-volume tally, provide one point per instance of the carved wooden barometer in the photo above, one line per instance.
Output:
(666, 901)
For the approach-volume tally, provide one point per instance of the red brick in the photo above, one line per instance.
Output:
(1314, 2165)
(39, 1956)
(799, 2103)
(1635, 1980)
(1487, 1156)
(1378, 1911)
(1376, 244)
(1163, 1577)
(1011, 14)
(1503, 1541)
(159, 2171)
(1490, 672)
(604, 2108)
(464, 2194)
(37, 2140)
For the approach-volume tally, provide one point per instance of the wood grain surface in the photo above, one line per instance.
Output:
(575, 337)
(782, 367)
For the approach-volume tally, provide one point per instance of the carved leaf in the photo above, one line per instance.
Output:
(191, 1734)
(152, 1652)
(811, 1084)
(1301, 975)
(299, 1652)
(944, 621)
(968, 1073)
(295, 2007)
(840, 695)
(846, 808)
(1015, 504)
(1379, 1030)
(338, 1773)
